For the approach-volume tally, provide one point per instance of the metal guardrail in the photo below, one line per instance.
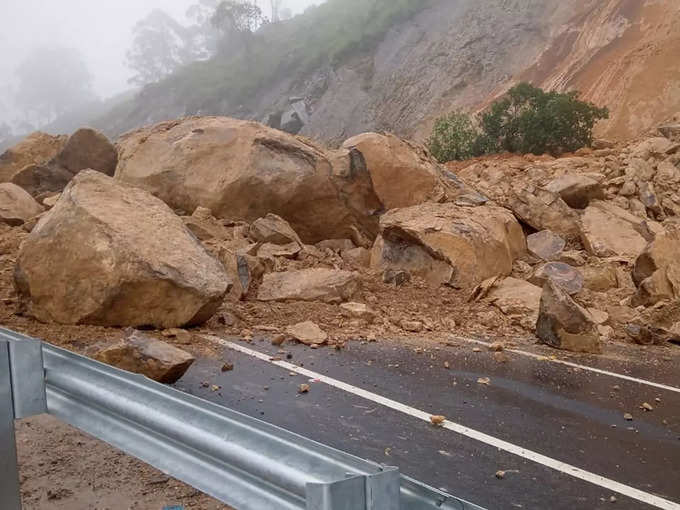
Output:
(241, 461)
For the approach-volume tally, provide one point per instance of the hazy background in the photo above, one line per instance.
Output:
(101, 30)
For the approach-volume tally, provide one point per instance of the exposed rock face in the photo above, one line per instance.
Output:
(403, 173)
(113, 255)
(608, 230)
(568, 278)
(318, 284)
(17, 206)
(657, 270)
(145, 355)
(546, 245)
(36, 149)
(563, 324)
(87, 148)
(448, 244)
(244, 170)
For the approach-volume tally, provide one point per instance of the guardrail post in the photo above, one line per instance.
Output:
(9, 470)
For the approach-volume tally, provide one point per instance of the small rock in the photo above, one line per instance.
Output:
(612, 499)
(227, 367)
(646, 407)
(358, 311)
(497, 347)
(500, 357)
(181, 335)
(303, 388)
(412, 326)
(437, 420)
(500, 474)
(447, 365)
(396, 277)
(628, 417)
(279, 339)
(308, 333)
(484, 380)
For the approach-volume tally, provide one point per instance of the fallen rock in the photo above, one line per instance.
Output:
(317, 284)
(396, 277)
(181, 335)
(517, 298)
(271, 251)
(608, 230)
(242, 169)
(568, 278)
(88, 148)
(403, 173)
(16, 205)
(145, 355)
(40, 179)
(600, 277)
(546, 245)
(336, 245)
(671, 131)
(599, 317)
(360, 257)
(358, 311)
(657, 270)
(577, 190)
(412, 326)
(273, 229)
(243, 271)
(563, 324)
(449, 244)
(542, 209)
(205, 226)
(308, 333)
(112, 255)
(36, 149)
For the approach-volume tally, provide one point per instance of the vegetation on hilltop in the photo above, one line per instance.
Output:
(526, 120)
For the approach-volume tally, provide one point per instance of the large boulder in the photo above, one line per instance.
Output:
(317, 284)
(36, 149)
(657, 270)
(113, 255)
(16, 205)
(244, 170)
(567, 277)
(577, 190)
(87, 148)
(517, 298)
(403, 173)
(449, 244)
(40, 179)
(145, 355)
(608, 231)
(564, 324)
(542, 209)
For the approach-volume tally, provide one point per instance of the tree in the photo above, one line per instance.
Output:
(160, 46)
(275, 10)
(237, 20)
(51, 81)
(205, 36)
(525, 120)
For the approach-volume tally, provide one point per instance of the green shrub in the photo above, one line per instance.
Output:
(526, 120)
(453, 138)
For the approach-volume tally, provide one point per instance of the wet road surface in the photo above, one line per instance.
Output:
(565, 413)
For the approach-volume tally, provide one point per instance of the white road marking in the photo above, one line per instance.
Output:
(544, 460)
(575, 365)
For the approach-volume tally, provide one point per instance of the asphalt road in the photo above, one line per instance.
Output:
(565, 414)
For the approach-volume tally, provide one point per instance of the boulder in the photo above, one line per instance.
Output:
(148, 356)
(244, 170)
(517, 298)
(542, 209)
(16, 205)
(568, 278)
(243, 271)
(563, 324)
(546, 245)
(308, 333)
(88, 148)
(41, 179)
(657, 146)
(671, 131)
(657, 270)
(600, 277)
(274, 230)
(608, 230)
(112, 255)
(449, 244)
(317, 284)
(403, 173)
(36, 149)
(205, 226)
(576, 190)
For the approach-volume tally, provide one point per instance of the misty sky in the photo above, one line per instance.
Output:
(99, 29)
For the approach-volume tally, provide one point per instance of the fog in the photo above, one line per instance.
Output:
(100, 30)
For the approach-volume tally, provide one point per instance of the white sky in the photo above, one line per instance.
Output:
(99, 29)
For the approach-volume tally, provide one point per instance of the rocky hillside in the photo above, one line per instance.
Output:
(439, 57)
